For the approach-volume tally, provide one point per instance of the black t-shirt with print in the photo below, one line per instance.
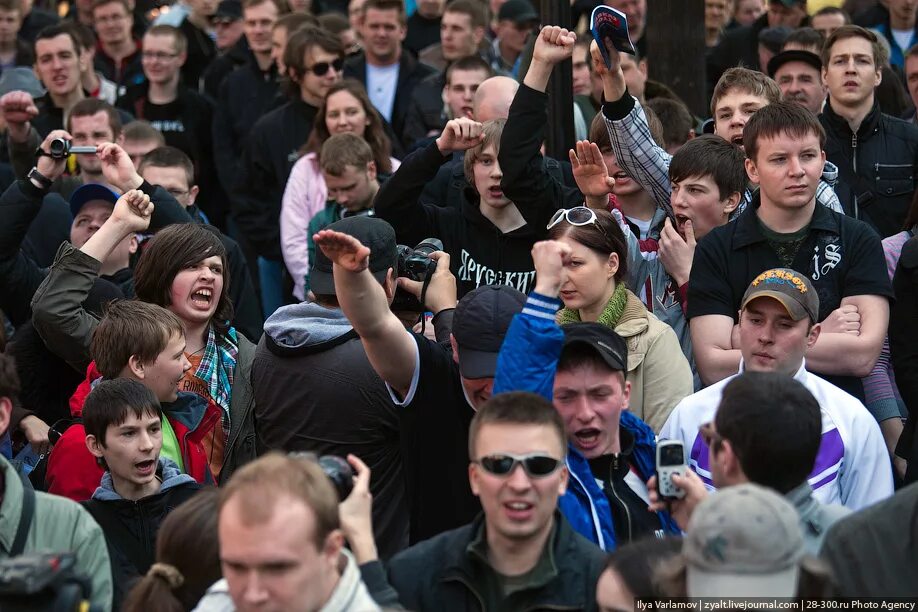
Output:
(435, 438)
(841, 256)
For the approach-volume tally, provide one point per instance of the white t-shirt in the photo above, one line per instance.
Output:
(903, 38)
(382, 81)
(852, 467)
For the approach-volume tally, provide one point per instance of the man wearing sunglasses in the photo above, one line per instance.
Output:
(520, 554)
(777, 325)
(582, 367)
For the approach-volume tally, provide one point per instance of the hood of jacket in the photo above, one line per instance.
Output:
(306, 328)
(168, 472)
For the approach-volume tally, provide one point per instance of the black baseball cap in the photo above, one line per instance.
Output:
(602, 338)
(88, 193)
(373, 233)
(794, 55)
(479, 325)
(228, 10)
(517, 11)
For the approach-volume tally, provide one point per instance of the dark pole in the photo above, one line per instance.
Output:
(675, 49)
(560, 133)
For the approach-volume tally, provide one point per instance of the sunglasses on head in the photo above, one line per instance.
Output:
(535, 465)
(578, 217)
(322, 67)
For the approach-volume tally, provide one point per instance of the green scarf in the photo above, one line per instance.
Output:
(610, 314)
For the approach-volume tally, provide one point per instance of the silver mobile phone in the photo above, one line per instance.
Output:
(670, 460)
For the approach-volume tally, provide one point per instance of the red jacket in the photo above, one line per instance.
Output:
(73, 471)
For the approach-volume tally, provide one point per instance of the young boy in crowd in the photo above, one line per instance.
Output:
(487, 238)
(350, 175)
(146, 343)
(124, 432)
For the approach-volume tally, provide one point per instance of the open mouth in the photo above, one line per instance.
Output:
(587, 438)
(621, 176)
(518, 510)
(495, 192)
(737, 140)
(145, 467)
(202, 297)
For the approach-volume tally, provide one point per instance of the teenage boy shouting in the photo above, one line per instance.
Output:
(124, 432)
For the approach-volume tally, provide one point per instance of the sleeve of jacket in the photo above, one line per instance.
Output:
(667, 378)
(531, 349)
(226, 149)
(57, 308)
(19, 275)
(22, 154)
(91, 550)
(166, 209)
(294, 222)
(525, 181)
(903, 332)
(247, 316)
(635, 149)
(398, 200)
(257, 185)
(373, 575)
(866, 474)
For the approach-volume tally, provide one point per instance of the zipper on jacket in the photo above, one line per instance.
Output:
(857, 214)
(144, 536)
(612, 468)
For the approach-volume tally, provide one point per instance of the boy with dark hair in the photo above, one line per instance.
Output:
(785, 228)
(123, 423)
(678, 122)
(876, 154)
(143, 342)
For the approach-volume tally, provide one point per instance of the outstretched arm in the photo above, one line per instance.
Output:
(526, 182)
(390, 349)
(635, 149)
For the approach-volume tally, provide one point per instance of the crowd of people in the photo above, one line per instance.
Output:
(298, 315)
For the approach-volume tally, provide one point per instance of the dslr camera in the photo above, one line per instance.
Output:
(39, 582)
(414, 264)
(61, 148)
(338, 470)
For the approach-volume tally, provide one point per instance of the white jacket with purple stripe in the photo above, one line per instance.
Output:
(852, 467)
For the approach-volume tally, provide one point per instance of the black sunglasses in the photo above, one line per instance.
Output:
(535, 465)
(322, 67)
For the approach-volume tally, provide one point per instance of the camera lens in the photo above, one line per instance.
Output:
(340, 473)
(428, 246)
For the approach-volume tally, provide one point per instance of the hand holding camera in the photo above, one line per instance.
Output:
(690, 488)
(48, 164)
(355, 513)
(117, 167)
(427, 260)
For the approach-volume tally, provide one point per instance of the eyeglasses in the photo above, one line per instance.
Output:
(709, 435)
(322, 67)
(535, 465)
(578, 217)
(158, 55)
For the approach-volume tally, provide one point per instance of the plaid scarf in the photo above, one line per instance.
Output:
(218, 364)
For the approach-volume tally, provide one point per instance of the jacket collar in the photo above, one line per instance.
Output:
(838, 124)
(168, 473)
(350, 592)
(747, 230)
(464, 566)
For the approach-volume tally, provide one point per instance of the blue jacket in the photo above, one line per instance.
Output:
(527, 362)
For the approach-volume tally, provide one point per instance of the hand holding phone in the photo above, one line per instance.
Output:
(670, 460)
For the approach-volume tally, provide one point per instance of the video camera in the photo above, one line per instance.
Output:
(414, 264)
(60, 148)
(39, 582)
